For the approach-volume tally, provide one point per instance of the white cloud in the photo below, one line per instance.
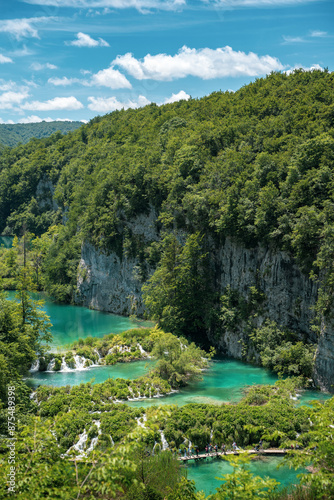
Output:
(180, 96)
(311, 68)
(64, 82)
(202, 63)
(21, 28)
(10, 99)
(107, 105)
(111, 78)
(84, 40)
(23, 52)
(58, 103)
(5, 59)
(141, 5)
(319, 34)
(8, 122)
(36, 66)
(293, 39)
(255, 3)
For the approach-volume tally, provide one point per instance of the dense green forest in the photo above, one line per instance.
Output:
(255, 166)
(12, 135)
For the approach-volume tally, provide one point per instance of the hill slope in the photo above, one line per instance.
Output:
(228, 200)
(12, 135)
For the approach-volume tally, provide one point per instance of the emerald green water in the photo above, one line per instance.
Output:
(69, 323)
(205, 473)
(223, 382)
(95, 375)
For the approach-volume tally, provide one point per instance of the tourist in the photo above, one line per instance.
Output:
(216, 448)
(206, 449)
(224, 448)
(234, 446)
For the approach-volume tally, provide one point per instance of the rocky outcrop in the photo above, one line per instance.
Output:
(288, 294)
(324, 365)
(112, 283)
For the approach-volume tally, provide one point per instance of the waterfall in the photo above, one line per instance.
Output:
(79, 362)
(112, 441)
(95, 439)
(142, 423)
(80, 445)
(164, 442)
(142, 351)
(211, 435)
(99, 358)
(51, 365)
(63, 366)
(35, 366)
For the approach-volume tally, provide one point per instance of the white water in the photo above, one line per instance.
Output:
(51, 365)
(141, 420)
(34, 366)
(80, 445)
(95, 439)
(164, 442)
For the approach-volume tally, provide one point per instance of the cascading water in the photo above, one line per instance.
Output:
(34, 366)
(164, 442)
(79, 362)
(63, 366)
(94, 441)
(51, 365)
(80, 445)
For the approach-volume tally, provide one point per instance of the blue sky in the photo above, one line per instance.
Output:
(75, 59)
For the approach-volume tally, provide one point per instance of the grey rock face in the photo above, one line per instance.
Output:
(111, 283)
(324, 366)
(289, 294)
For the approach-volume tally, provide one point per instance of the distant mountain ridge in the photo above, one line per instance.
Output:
(12, 135)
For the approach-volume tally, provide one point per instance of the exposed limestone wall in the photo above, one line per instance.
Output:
(110, 283)
(289, 294)
(324, 367)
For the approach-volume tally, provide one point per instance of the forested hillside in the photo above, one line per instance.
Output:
(255, 166)
(12, 135)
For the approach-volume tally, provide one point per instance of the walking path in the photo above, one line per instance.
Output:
(201, 456)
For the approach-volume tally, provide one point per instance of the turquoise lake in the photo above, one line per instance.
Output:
(224, 381)
(69, 323)
(205, 473)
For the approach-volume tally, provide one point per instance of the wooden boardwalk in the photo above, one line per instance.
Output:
(203, 456)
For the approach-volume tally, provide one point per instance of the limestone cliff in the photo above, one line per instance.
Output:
(112, 283)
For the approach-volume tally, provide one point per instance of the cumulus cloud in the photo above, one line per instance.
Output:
(10, 99)
(180, 96)
(5, 59)
(141, 5)
(58, 103)
(37, 119)
(23, 28)
(314, 67)
(107, 105)
(84, 40)
(36, 66)
(202, 63)
(111, 78)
